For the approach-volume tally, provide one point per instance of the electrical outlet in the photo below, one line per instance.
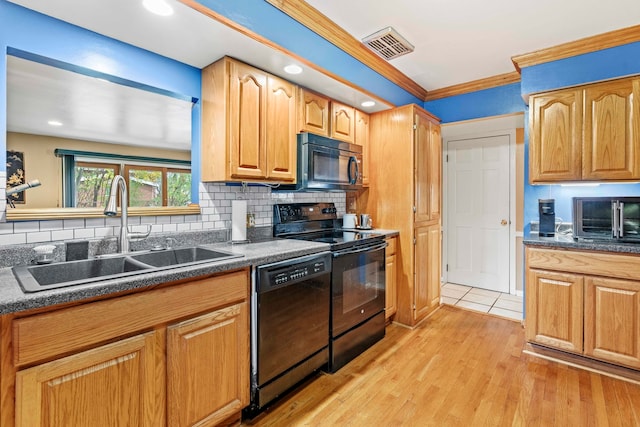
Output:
(251, 220)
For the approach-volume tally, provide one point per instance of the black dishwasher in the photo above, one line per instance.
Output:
(289, 325)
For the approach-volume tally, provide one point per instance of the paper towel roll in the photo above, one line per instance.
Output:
(238, 220)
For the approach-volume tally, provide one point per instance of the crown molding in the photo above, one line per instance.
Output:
(311, 18)
(578, 47)
(474, 86)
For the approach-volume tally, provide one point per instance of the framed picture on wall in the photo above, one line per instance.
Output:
(15, 175)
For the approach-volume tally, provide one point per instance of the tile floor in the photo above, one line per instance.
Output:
(498, 303)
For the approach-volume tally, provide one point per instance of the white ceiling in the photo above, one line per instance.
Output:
(464, 40)
(455, 42)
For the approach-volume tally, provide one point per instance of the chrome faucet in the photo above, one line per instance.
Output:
(111, 209)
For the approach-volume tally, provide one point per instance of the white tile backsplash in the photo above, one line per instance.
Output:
(215, 204)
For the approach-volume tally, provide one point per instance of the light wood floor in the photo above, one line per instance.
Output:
(458, 368)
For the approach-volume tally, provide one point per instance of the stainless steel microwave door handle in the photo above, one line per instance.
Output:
(352, 178)
(621, 219)
(616, 218)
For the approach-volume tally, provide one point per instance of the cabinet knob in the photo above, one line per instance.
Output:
(504, 222)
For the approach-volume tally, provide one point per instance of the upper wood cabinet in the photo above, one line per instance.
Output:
(427, 169)
(362, 139)
(611, 148)
(248, 124)
(587, 133)
(313, 112)
(343, 122)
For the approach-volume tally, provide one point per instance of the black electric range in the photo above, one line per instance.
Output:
(318, 222)
(357, 276)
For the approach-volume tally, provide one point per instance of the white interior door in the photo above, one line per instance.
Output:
(478, 188)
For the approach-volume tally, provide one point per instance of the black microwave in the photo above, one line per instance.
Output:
(607, 218)
(326, 164)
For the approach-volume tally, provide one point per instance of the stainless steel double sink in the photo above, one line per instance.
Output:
(35, 278)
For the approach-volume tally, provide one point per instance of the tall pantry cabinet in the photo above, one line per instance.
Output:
(404, 194)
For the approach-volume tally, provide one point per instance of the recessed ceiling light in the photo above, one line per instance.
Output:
(159, 7)
(293, 69)
(54, 123)
(368, 103)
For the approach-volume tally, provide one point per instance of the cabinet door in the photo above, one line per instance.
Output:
(247, 111)
(313, 113)
(427, 270)
(554, 309)
(612, 320)
(556, 134)
(281, 130)
(362, 139)
(611, 148)
(422, 169)
(343, 122)
(390, 279)
(435, 171)
(208, 367)
(119, 384)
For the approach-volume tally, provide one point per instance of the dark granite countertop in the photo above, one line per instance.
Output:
(567, 241)
(13, 299)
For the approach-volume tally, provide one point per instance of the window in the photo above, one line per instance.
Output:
(92, 182)
(150, 182)
(158, 186)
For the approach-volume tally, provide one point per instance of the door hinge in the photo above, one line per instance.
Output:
(447, 158)
(414, 240)
(415, 209)
(415, 126)
(446, 267)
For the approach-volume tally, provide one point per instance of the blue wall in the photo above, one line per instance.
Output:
(484, 103)
(35, 36)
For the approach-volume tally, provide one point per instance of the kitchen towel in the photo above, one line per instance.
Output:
(238, 220)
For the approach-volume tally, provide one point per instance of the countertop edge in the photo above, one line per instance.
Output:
(568, 242)
(14, 300)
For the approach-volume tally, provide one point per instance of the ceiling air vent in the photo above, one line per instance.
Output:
(388, 43)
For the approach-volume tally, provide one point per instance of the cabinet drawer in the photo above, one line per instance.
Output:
(621, 266)
(391, 249)
(48, 335)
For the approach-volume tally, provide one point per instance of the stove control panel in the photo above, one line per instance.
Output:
(294, 212)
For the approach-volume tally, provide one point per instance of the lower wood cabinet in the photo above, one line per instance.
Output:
(391, 270)
(427, 270)
(555, 309)
(207, 378)
(174, 355)
(612, 320)
(113, 385)
(587, 303)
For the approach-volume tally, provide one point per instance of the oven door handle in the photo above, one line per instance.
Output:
(360, 250)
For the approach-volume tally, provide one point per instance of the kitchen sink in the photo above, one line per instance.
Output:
(181, 256)
(35, 278)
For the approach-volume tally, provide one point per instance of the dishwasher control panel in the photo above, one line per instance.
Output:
(291, 272)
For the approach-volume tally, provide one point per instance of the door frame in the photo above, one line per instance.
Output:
(474, 129)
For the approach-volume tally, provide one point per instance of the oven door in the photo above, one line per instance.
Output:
(357, 286)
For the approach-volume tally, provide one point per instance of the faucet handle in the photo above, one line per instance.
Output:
(170, 242)
(139, 235)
